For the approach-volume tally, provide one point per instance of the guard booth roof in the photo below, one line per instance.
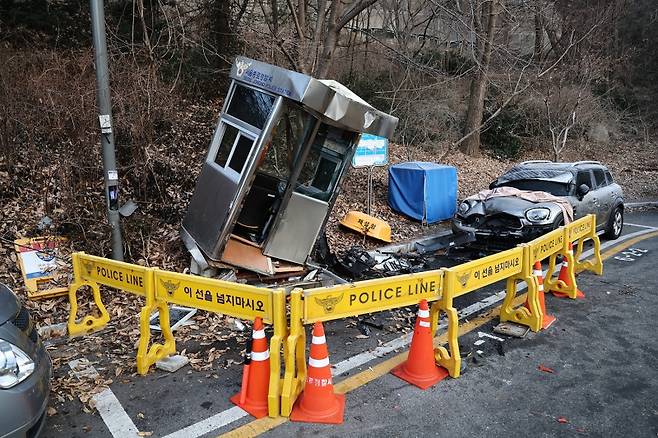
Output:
(329, 100)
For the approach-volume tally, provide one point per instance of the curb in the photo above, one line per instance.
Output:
(639, 205)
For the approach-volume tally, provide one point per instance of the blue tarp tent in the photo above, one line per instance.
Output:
(424, 191)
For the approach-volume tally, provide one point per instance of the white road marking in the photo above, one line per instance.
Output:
(233, 414)
(641, 226)
(487, 335)
(209, 424)
(479, 342)
(115, 417)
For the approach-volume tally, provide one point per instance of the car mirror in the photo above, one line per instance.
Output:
(583, 189)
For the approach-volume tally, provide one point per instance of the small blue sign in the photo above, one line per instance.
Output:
(372, 150)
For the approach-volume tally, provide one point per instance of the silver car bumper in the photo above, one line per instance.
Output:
(528, 231)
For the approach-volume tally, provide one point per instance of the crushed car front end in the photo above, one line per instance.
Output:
(507, 218)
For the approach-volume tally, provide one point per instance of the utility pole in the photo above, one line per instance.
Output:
(105, 119)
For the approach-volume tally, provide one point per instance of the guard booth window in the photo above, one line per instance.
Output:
(250, 106)
(226, 146)
(240, 153)
(275, 166)
(286, 142)
(324, 162)
(233, 149)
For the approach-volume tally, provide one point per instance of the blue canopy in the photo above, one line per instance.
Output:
(424, 191)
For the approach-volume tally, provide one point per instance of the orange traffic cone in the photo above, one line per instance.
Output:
(564, 276)
(420, 369)
(318, 403)
(547, 319)
(256, 375)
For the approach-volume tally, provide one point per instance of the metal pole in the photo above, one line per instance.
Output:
(105, 119)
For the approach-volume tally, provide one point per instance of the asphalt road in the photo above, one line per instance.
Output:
(602, 352)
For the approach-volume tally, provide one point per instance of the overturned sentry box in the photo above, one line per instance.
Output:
(272, 174)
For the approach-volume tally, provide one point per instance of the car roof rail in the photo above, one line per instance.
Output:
(536, 161)
(578, 163)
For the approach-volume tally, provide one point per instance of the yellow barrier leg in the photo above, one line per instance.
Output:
(557, 285)
(276, 344)
(530, 316)
(550, 282)
(147, 356)
(449, 358)
(595, 265)
(435, 312)
(89, 323)
(572, 289)
(294, 355)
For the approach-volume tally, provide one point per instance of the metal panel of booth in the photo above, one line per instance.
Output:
(293, 240)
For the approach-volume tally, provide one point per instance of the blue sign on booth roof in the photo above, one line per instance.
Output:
(372, 150)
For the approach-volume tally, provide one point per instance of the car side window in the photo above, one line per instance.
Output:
(608, 177)
(599, 178)
(584, 177)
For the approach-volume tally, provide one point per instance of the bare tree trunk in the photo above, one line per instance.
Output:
(471, 145)
(330, 41)
(336, 22)
(539, 37)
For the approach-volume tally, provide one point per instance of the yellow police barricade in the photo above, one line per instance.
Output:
(161, 288)
(459, 280)
(236, 300)
(579, 230)
(582, 232)
(342, 301)
(93, 271)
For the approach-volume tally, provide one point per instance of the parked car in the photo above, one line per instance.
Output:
(25, 370)
(588, 187)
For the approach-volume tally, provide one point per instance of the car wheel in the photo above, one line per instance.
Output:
(558, 222)
(615, 224)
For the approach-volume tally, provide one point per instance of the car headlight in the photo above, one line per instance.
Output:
(15, 365)
(464, 207)
(538, 214)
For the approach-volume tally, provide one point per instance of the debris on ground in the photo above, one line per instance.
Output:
(173, 363)
(541, 367)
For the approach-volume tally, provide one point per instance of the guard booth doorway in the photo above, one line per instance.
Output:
(283, 143)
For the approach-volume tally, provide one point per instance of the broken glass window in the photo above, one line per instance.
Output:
(226, 145)
(287, 137)
(250, 106)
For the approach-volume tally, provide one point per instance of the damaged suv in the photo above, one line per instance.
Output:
(535, 197)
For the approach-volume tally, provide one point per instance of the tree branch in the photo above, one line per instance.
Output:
(355, 10)
(295, 19)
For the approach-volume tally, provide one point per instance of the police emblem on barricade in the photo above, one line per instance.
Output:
(463, 278)
(170, 286)
(329, 303)
(89, 266)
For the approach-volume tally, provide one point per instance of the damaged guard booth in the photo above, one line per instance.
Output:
(274, 166)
